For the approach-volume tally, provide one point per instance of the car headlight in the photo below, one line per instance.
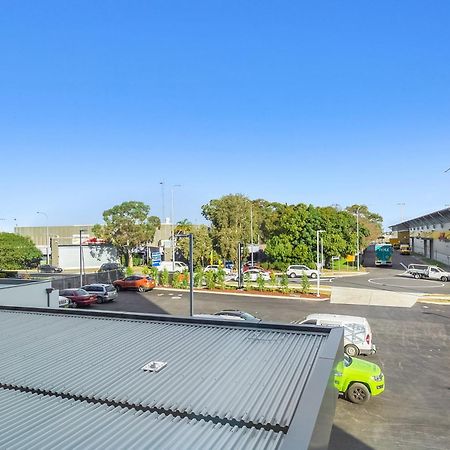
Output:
(338, 374)
(378, 377)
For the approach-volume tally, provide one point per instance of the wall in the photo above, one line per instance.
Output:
(94, 256)
(14, 292)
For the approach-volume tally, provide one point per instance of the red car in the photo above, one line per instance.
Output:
(140, 283)
(79, 296)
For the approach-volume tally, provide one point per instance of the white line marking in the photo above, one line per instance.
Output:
(409, 286)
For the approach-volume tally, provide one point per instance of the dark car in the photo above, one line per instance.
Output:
(104, 292)
(105, 267)
(48, 268)
(79, 296)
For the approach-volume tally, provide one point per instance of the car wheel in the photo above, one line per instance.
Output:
(140, 289)
(351, 350)
(292, 275)
(358, 393)
(99, 299)
(417, 276)
(444, 279)
(314, 275)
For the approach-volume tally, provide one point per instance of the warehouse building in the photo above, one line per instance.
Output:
(429, 234)
(92, 379)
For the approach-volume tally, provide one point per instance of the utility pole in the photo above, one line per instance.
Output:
(46, 243)
(172, 228)
(357, 238)
(81, 260)
(251, 231)
(163, 217)
(317, 260)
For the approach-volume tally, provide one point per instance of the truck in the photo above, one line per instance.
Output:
(395, 242)
(430, 272)
(383, 254)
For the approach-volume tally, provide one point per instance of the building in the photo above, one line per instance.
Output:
(22, 292)
(429, 234)
(92, 379)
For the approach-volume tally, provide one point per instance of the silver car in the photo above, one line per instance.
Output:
(104, 292)
(298, 270)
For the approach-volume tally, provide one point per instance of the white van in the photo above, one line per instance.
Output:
(357, 332)
(169, 265)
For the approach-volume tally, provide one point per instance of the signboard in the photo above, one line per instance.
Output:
(156, 259)
(350, 258)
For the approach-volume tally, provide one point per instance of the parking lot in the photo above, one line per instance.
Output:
(413, 412)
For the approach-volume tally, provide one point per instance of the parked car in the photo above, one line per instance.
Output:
(253, 274)
(357, 331)
(78, 296)
(48, 268)
(104, 292)
(248, 265)
(358, 380)
(172, 266)
(215, 268)
(214, 317)
(105, 267)
(140, 283)
(235, 313)
(64, 302)
(298, 270)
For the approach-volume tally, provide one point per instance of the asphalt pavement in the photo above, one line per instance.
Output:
(413, 351)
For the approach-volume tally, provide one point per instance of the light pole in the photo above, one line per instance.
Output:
(172, 228)
(191, 271)
(402, 205)
(46, 243)
(318, 264)
(251, 231)
(81, 260)
(163, 218)
(357, 238)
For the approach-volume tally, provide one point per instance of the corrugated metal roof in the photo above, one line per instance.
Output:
(226, 372)
(32, 421)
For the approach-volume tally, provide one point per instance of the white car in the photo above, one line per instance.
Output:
(298, 270)
(252, 275)
(215, 268)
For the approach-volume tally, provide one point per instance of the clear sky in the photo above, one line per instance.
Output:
(328, 102)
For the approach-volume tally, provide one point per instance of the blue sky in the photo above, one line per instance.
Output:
(327, 103)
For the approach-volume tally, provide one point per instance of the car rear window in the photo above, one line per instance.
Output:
(110, 288)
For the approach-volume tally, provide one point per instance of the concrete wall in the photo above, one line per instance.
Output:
(15, 292)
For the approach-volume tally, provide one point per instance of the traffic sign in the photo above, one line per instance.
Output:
(156, 259)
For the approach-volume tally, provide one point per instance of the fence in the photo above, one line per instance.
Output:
(67, 282)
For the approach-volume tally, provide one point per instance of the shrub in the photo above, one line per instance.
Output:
(220, 278)
(185, 279)
(260, 282)
(273, 278)
(129, 271)
(164, 277)
(177, 280)
(198, 277)
(145, 270)
(247, 282)
(210, 279)
(284, 283)
(153, 271)
(305, 284)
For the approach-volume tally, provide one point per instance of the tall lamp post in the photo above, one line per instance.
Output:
(46, 243)
(318, 264)
(357, 238)
(81, 260)
(172, 228)
(191, 271)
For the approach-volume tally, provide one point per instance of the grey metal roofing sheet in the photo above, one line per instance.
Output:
(32, 421)
(244, 374)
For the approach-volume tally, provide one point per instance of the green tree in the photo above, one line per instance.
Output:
(202, 245)
(18, 252)
(127, 226)
(230, 222)
(370, 221)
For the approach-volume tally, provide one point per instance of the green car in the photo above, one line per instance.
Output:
(358, 380)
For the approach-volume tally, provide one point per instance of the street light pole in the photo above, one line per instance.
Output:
(318, 264)
(357, 238)
(191, 271)
(46, 244)
(251, 232)
(81, 260)
(163, 217)
(172, 229)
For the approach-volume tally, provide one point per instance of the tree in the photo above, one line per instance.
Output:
(18, 252)
(202, 245)
(230, 222)
(127, 226)
(371, 221)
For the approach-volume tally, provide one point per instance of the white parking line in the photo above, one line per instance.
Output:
(409, 286)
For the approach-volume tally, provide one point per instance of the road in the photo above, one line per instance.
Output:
(413, 351)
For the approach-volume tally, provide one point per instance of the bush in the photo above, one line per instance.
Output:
(305, 284)
(247, 282)
(284, 283)
(164, 277)
(145, 270)
(273, 278)
(153, 271)
(185, 279)
(260, 282)
(198, 277)
(210, 279)
(177, 280)
(220, 278)
(129, 271)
